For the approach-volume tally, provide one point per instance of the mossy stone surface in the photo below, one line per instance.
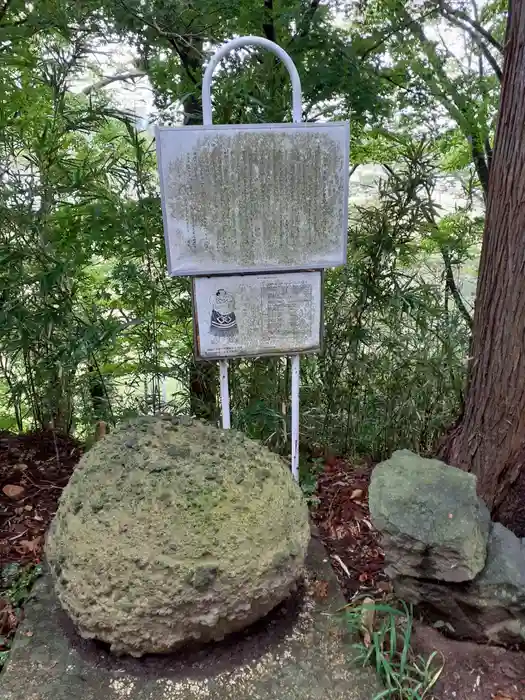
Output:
(432, 522)
(172, 531)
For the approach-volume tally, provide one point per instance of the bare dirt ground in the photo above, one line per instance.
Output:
(34, 468)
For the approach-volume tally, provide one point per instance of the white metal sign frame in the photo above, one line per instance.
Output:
(238, 44)
(297, 118)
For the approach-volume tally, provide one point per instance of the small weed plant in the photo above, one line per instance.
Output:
(386, 633)
(15, 586)
(308, 475)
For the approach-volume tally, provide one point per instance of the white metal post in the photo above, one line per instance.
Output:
(225, 394)
(296, 116)
(296, 382)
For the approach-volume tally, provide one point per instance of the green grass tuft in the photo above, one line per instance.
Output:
(405, 675)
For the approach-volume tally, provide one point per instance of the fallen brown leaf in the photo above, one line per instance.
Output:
(100, 430)
(320, 589)
(356, 494)
(14, 491)
(8, 619)
(30, 546)
(367, 621)
(384, 586)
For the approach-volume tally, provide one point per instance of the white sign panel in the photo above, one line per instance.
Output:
(254, 198)
(254, 315)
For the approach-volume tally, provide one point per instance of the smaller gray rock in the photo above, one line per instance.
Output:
(442, 604)
(504, 572)
(499, 591)
(433, 524)
(489, 609)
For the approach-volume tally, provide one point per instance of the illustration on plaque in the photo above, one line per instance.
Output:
(223, 321)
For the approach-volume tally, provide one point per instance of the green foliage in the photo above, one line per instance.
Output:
(459, 90)
(16, 583)
(392, 369)
(90, 326)
(309, 473)
(171, 40)
(388, 648)
(22, 584)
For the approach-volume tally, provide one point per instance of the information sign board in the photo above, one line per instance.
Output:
(256, 315)
(254, 198)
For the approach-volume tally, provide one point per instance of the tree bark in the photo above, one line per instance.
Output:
(489, 439)
(97, 392)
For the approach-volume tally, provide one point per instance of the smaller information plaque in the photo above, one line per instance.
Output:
(256, 315)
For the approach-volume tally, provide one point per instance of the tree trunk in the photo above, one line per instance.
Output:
(203, 398)
(489, 439)
(97, 392)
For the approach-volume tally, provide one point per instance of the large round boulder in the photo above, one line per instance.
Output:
(172, 531)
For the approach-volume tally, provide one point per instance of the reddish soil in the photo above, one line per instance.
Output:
(38, 465)
(343, 520)
(34, 468)
(471, 671)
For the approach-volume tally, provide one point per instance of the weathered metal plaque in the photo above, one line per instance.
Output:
(254, 198)
(255, 315)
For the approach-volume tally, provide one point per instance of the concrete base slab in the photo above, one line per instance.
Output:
(298, 653)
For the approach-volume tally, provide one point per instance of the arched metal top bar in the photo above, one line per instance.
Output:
(246, 41)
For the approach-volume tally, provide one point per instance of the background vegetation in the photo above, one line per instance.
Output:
(92, 329)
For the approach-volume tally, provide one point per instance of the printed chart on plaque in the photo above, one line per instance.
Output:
(251, 315)
(254, 198)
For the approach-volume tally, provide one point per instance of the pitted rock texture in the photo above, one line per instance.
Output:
(433, 524)
(172, 531)
(491, 608)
